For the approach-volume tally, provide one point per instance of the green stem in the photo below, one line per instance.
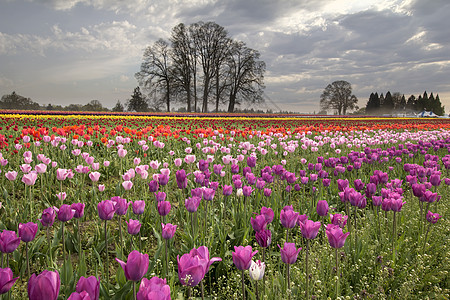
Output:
(288, 281)
(107, 258)
(307, 270)
(425, 241)
(394, 237)
(63, 242)
(134, 290)
(167, 257)
(243, 286)
(120, 234)
(202, 290)
(28, 261)
(49, 246)
(256, 291)
(337, 273)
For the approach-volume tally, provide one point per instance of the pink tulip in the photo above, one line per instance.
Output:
(11, 175)
(121, 152)
(25, 168)
(61, 174)
(30, 178)
(41, 168)
(94, 176)
(127, 185)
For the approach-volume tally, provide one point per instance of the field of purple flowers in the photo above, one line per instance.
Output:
(323, 215)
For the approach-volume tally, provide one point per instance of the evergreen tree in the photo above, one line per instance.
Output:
(402, 104)
(440, 111)
(137, 102)
(411, 103)
(373, 105)
(119, 107)
(388, 104)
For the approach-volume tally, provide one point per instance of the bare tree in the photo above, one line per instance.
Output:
(184, 62)
(338, 96)
(246, 75)
(155, 74)
(210, 40)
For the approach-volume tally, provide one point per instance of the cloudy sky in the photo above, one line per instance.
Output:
(74, 51)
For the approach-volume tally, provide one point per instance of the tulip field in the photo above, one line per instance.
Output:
(165, 206)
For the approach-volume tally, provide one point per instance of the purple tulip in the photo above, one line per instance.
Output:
(133, 226)
(44, 286)
(267, 192)
(153, 186)
(79, 296)
(138, 207)
(164, 208)
(6, 280)
(242, 257)
(168, 231)
(181, 178)
(377, 200)
(120, 205)
(79, 209)
(192, 203)
(227, 190)
(433, 218)
(106, 210)
(9, 241)
(371, 189)
(247, 190)
(155, 288)
(264, 238)
(418, 189)
(193, 266)
(27, 231)
(136, 266)
(397, 204)
(310, 229)
(342, 184)
(359, 184)
(289, 253)
(268, 214)
(251, 161)
(435, 179)
(48, 217)
(234, 169)
(64, 213)
(301, 219)
(91, 285)
(288, 217)
(322, 208)
(336, 237)
(258, 223)
(197, 192)
(429, 196)
(339, 220)
(208, 194)
(203, 165)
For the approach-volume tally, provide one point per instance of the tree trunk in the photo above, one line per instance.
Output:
(232, 102)
(217, 92)
(168, 97)
(205, 96)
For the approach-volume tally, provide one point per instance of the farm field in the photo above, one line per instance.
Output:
(122, 206)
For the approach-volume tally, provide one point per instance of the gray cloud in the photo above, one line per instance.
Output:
(88, 48)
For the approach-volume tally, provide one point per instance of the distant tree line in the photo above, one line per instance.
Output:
(18, 102)
(397, 103)
(198, 66)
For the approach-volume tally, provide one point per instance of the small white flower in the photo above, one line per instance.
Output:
(239, 193)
